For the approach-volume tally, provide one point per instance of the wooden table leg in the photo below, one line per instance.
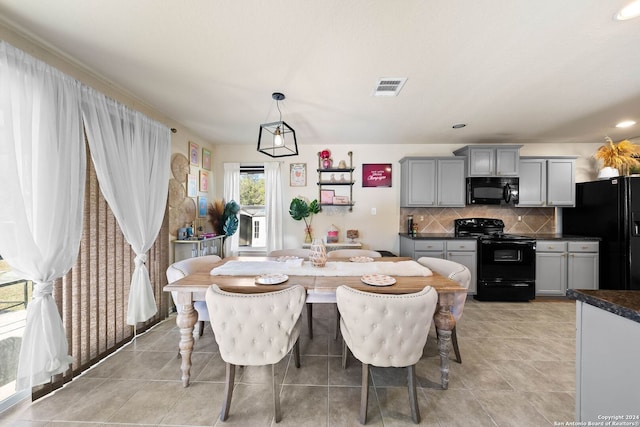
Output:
(186, 319)
(444, 322)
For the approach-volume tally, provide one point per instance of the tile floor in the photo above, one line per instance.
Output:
(518, 370)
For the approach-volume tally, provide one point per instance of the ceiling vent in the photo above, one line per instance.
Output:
(389, 86)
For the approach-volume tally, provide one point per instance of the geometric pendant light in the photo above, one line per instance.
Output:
(277, 139)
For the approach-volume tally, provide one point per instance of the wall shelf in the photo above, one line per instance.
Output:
(345, 179)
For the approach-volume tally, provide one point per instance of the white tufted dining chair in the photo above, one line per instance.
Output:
(180, 269)
(387, 331)
(347, 253)
(313, 297)
(255, 330)
(462, 275)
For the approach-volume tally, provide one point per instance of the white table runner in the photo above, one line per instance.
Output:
(333, 268)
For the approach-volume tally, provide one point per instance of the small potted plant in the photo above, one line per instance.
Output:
(300, 209)
(617, 158)
(224, 217)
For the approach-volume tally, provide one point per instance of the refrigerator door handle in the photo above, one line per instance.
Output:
(635, 224)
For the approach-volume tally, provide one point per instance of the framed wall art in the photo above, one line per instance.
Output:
(298, 175)
(204, 181)
(202, 206)
(194, 154)
(206, 159)
(376, 175)
(192, 185)
(340, 200)
(326, 197)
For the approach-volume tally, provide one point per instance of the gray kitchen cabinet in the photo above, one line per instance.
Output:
(463, 251)
(432, 181)
(451, 183)
(551, 268)
(430, 248)
(561, 182)
(418, 182)
(547, 181)
(533, 182)
(562, 265)
(583, 265)
(491, 160)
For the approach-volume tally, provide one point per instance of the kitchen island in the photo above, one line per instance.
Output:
(607, 351)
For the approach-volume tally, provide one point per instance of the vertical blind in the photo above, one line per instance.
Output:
(92, 297)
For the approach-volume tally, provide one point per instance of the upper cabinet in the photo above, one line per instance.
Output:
(491, 160)
(432, 182)
(547, 181)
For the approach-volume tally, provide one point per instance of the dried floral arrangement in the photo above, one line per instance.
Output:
(622, 155)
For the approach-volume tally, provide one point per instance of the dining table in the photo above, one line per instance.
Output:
(238, 274)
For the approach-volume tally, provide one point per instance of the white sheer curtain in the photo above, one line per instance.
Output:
(273, 204)
(232, 192)
(131, 154)
(42, 175)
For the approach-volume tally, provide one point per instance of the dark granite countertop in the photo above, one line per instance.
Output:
(623, 303)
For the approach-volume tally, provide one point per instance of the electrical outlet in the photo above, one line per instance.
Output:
(421, 218)
(373, 211)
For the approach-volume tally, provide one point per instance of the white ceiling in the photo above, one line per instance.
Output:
(517, 71)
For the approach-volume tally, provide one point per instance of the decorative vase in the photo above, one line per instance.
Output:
(326, 163)
(608, 172)
(318, 253)
(308, 236)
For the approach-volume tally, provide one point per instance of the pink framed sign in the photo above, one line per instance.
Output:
(376, 175)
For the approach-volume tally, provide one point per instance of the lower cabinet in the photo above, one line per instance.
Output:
(583, 266)
(460, 251)
(562, 265)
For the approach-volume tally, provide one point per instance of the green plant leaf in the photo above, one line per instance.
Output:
(314, 207)
(230, 226)
(298, 209)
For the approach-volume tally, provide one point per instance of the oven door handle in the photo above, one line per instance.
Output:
(509, 242)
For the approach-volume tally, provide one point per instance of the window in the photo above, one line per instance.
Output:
(252, 212)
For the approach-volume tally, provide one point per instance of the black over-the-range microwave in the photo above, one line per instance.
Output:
(492, 191)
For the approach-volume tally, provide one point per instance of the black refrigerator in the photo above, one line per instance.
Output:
(610, 209)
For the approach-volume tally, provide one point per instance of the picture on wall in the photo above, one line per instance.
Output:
(376, 175)
(326, 197)
(204, 181)
(206, 159)
(298, 175)
(193, 153)
(192, 185)
(202, 206)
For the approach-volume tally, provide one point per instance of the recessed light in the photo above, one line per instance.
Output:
(630, 11)
(458, 125)
(625, 124)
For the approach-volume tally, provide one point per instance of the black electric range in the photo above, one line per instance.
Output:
(506, 262)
